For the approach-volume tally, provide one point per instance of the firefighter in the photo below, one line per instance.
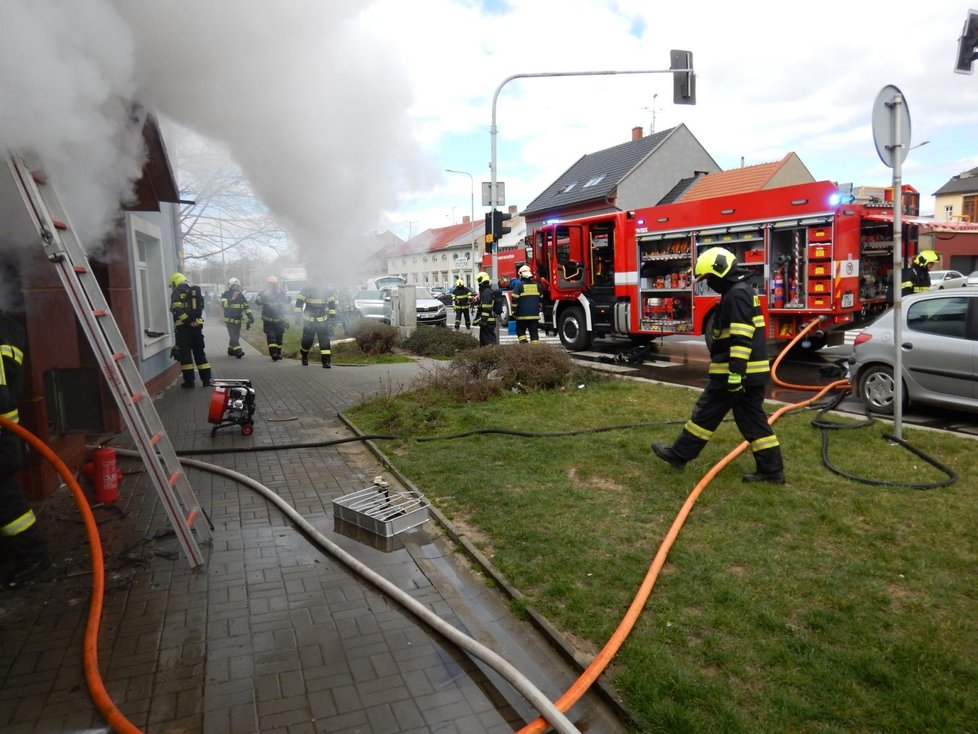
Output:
(236, 310)
(274, 304)
(739, 370)
(526, 306)
(461, 302)
(187, 308)
(916, 278)
(317, 310)
(22, 541)
(485, 317)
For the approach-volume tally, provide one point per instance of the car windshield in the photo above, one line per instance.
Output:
(367, 296)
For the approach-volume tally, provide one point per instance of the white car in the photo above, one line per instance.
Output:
(941, 279)
(973, 278)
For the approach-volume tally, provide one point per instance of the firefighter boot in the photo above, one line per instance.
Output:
(305, 358)
(668, 455)
(30, 556)
(326, 364)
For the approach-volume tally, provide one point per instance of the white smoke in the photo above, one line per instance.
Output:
(311, 107)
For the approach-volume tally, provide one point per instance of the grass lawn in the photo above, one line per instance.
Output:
(343, 351)
(825, 605)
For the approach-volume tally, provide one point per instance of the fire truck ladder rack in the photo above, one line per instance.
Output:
(66, 252)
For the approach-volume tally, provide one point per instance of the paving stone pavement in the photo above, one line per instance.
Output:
(272, 634)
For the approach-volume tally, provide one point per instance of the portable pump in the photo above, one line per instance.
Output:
(232, 404)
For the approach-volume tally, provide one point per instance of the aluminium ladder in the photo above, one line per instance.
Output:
(66, 252)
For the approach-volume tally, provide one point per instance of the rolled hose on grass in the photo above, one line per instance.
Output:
(110, 712)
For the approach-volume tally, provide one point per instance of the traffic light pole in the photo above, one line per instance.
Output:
(682, 75)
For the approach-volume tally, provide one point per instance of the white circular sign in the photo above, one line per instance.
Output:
(891, 124)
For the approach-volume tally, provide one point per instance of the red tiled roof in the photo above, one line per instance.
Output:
(437, 238)
(734, 181)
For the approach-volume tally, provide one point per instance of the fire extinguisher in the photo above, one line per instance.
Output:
(777, 290)
(107, 475)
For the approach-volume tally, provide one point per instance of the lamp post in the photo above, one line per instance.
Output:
(471, 214)
(492, 129)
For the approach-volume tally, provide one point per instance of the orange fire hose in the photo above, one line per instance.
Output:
(113, 717)
(617, 639)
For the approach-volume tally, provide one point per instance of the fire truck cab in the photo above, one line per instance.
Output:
(809, 254)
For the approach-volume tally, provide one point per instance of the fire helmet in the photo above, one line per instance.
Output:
(176, 279)
(525, 271)
(716, 261)
(234, 283)
(926, 257)
(459, 283)
(482, 277)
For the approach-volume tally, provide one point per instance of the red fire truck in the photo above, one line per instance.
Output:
(629, 273)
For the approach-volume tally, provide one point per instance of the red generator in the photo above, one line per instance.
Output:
(232, 404)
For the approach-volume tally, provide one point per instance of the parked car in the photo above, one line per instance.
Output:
(973, 278)
(430, 309)
(941, 279)
(371, 304)
(939, 344)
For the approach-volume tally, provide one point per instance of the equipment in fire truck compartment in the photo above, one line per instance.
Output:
(232, 404)
(666, 275)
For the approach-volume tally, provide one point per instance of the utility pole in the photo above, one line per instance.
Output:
(471, 218)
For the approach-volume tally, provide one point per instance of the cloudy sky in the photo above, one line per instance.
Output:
(345, 113)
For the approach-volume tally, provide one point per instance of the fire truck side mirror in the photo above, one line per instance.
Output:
(683, 77)
(967, 45)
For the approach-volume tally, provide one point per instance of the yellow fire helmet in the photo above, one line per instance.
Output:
(482, 277)
(926, 257)
(716, 261)
(176, 279)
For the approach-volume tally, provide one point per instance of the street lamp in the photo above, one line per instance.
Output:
(471, 214)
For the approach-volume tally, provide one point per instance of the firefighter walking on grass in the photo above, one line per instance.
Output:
(526, 306)
(485, 317)
(739, 371)
(316, 308)
(21, 538)
(187, 308)
(461, 302)
(274, 304)
(236, 310)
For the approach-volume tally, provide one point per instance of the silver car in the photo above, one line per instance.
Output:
(941, 279)
(372, 304)
(939, 353)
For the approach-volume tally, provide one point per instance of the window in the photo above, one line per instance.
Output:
(594, 180)
(567, 187)
(943, 316)
(969, 208)
(948, 212)
(152, 299)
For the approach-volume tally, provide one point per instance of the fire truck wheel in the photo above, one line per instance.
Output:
(572, 329)
(708, 330)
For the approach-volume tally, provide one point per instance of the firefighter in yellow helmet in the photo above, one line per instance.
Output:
(916, 278)
(461, 302)
(485, 317)
(20, 536)
(187, 309)
(739, 371)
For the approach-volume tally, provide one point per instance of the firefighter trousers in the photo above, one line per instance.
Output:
(527, 325)
(274, 333)
(20, 538)
(748, 411)
(318, 329)
(460, 315)
(234, 339)
(190, 342)
(487, 333)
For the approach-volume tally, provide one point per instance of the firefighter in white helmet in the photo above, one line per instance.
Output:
(739, 371)
(236, 311)
(526, 306)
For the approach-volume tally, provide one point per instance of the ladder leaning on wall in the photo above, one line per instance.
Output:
(66, 252)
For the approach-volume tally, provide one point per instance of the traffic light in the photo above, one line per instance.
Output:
(967, 44)
(683, 78)
(494, 228)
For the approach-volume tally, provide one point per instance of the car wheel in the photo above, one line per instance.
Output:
(572, 329)
(876, 387)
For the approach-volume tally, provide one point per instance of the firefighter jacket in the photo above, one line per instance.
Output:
(526, 300)
(461, 298)
(12, 342)
(316, 304)
(486, 313)
(915, 279)
(236, 308)
(739, 340)
(186, 305)
(274, 304)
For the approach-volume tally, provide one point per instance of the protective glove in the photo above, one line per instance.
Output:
(175, 352)
(735, 383)
(248, 325)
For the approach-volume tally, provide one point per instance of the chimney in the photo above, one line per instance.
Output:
(512, 210)
(637, 133)
(465, 219)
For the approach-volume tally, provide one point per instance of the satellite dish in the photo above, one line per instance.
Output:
(891, 124)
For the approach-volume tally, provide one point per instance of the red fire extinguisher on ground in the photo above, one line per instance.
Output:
(106, 475)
